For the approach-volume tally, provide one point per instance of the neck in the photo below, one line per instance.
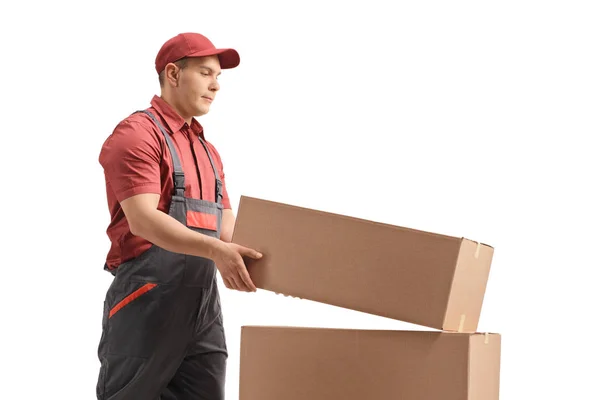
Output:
(171, 101)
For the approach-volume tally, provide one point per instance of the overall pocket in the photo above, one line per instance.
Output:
(139, 317)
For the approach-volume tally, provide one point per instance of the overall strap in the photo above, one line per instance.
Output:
(219, 184)
(178, 176)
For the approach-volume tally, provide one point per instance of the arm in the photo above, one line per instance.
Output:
(227, 225)
(146, 221)
(131, 161)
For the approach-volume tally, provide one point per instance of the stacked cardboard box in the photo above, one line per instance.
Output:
(414, 276)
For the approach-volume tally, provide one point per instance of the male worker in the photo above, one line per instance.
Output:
(170, 230)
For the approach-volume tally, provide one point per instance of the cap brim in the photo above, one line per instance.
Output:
(228, 58)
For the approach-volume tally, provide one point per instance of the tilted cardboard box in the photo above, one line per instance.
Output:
(332, 364)
(415, 276)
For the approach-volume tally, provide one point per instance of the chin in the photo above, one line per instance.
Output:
(202, 111)
(204, 108)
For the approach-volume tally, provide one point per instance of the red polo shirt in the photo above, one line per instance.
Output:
(136, 160)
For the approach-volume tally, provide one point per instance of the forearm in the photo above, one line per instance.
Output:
(227, 225)
(168, 233)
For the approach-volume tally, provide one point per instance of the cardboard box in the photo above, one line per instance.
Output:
(332, 364)
(410, 275)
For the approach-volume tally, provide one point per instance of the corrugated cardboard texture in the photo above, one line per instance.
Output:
(325, 364)
(381, 269)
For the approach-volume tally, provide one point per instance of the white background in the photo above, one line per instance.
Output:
(467, 118)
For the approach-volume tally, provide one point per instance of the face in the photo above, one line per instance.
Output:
(195, 86)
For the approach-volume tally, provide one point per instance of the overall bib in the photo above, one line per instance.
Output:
(162, 326)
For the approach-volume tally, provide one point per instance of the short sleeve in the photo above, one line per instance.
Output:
(131, 160)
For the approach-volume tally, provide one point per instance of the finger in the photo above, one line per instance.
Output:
(231, 279)
(231, 284)
(227, 283)
(239, 284)
(245, 277)
(251, 253)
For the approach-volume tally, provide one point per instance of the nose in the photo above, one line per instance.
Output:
(215, 86)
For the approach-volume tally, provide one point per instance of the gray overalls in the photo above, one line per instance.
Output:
(162, 327)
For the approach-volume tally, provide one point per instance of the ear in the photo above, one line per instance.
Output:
(172, 74)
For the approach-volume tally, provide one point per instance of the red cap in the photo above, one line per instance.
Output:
(193, 45)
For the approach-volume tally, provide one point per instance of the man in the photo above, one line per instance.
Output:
(170, 231)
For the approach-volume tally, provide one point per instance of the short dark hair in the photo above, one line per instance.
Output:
(181, 63)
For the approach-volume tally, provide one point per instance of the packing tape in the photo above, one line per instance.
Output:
(487, 338)
(461, 324)
(477, 250)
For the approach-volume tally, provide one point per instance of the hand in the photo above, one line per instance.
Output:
(231, 265)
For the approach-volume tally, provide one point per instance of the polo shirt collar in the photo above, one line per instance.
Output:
(173, 120)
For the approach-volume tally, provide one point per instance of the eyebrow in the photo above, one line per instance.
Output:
(209, 68)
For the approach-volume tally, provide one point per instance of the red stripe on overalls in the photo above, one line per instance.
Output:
(202, 220)
(144, 289)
